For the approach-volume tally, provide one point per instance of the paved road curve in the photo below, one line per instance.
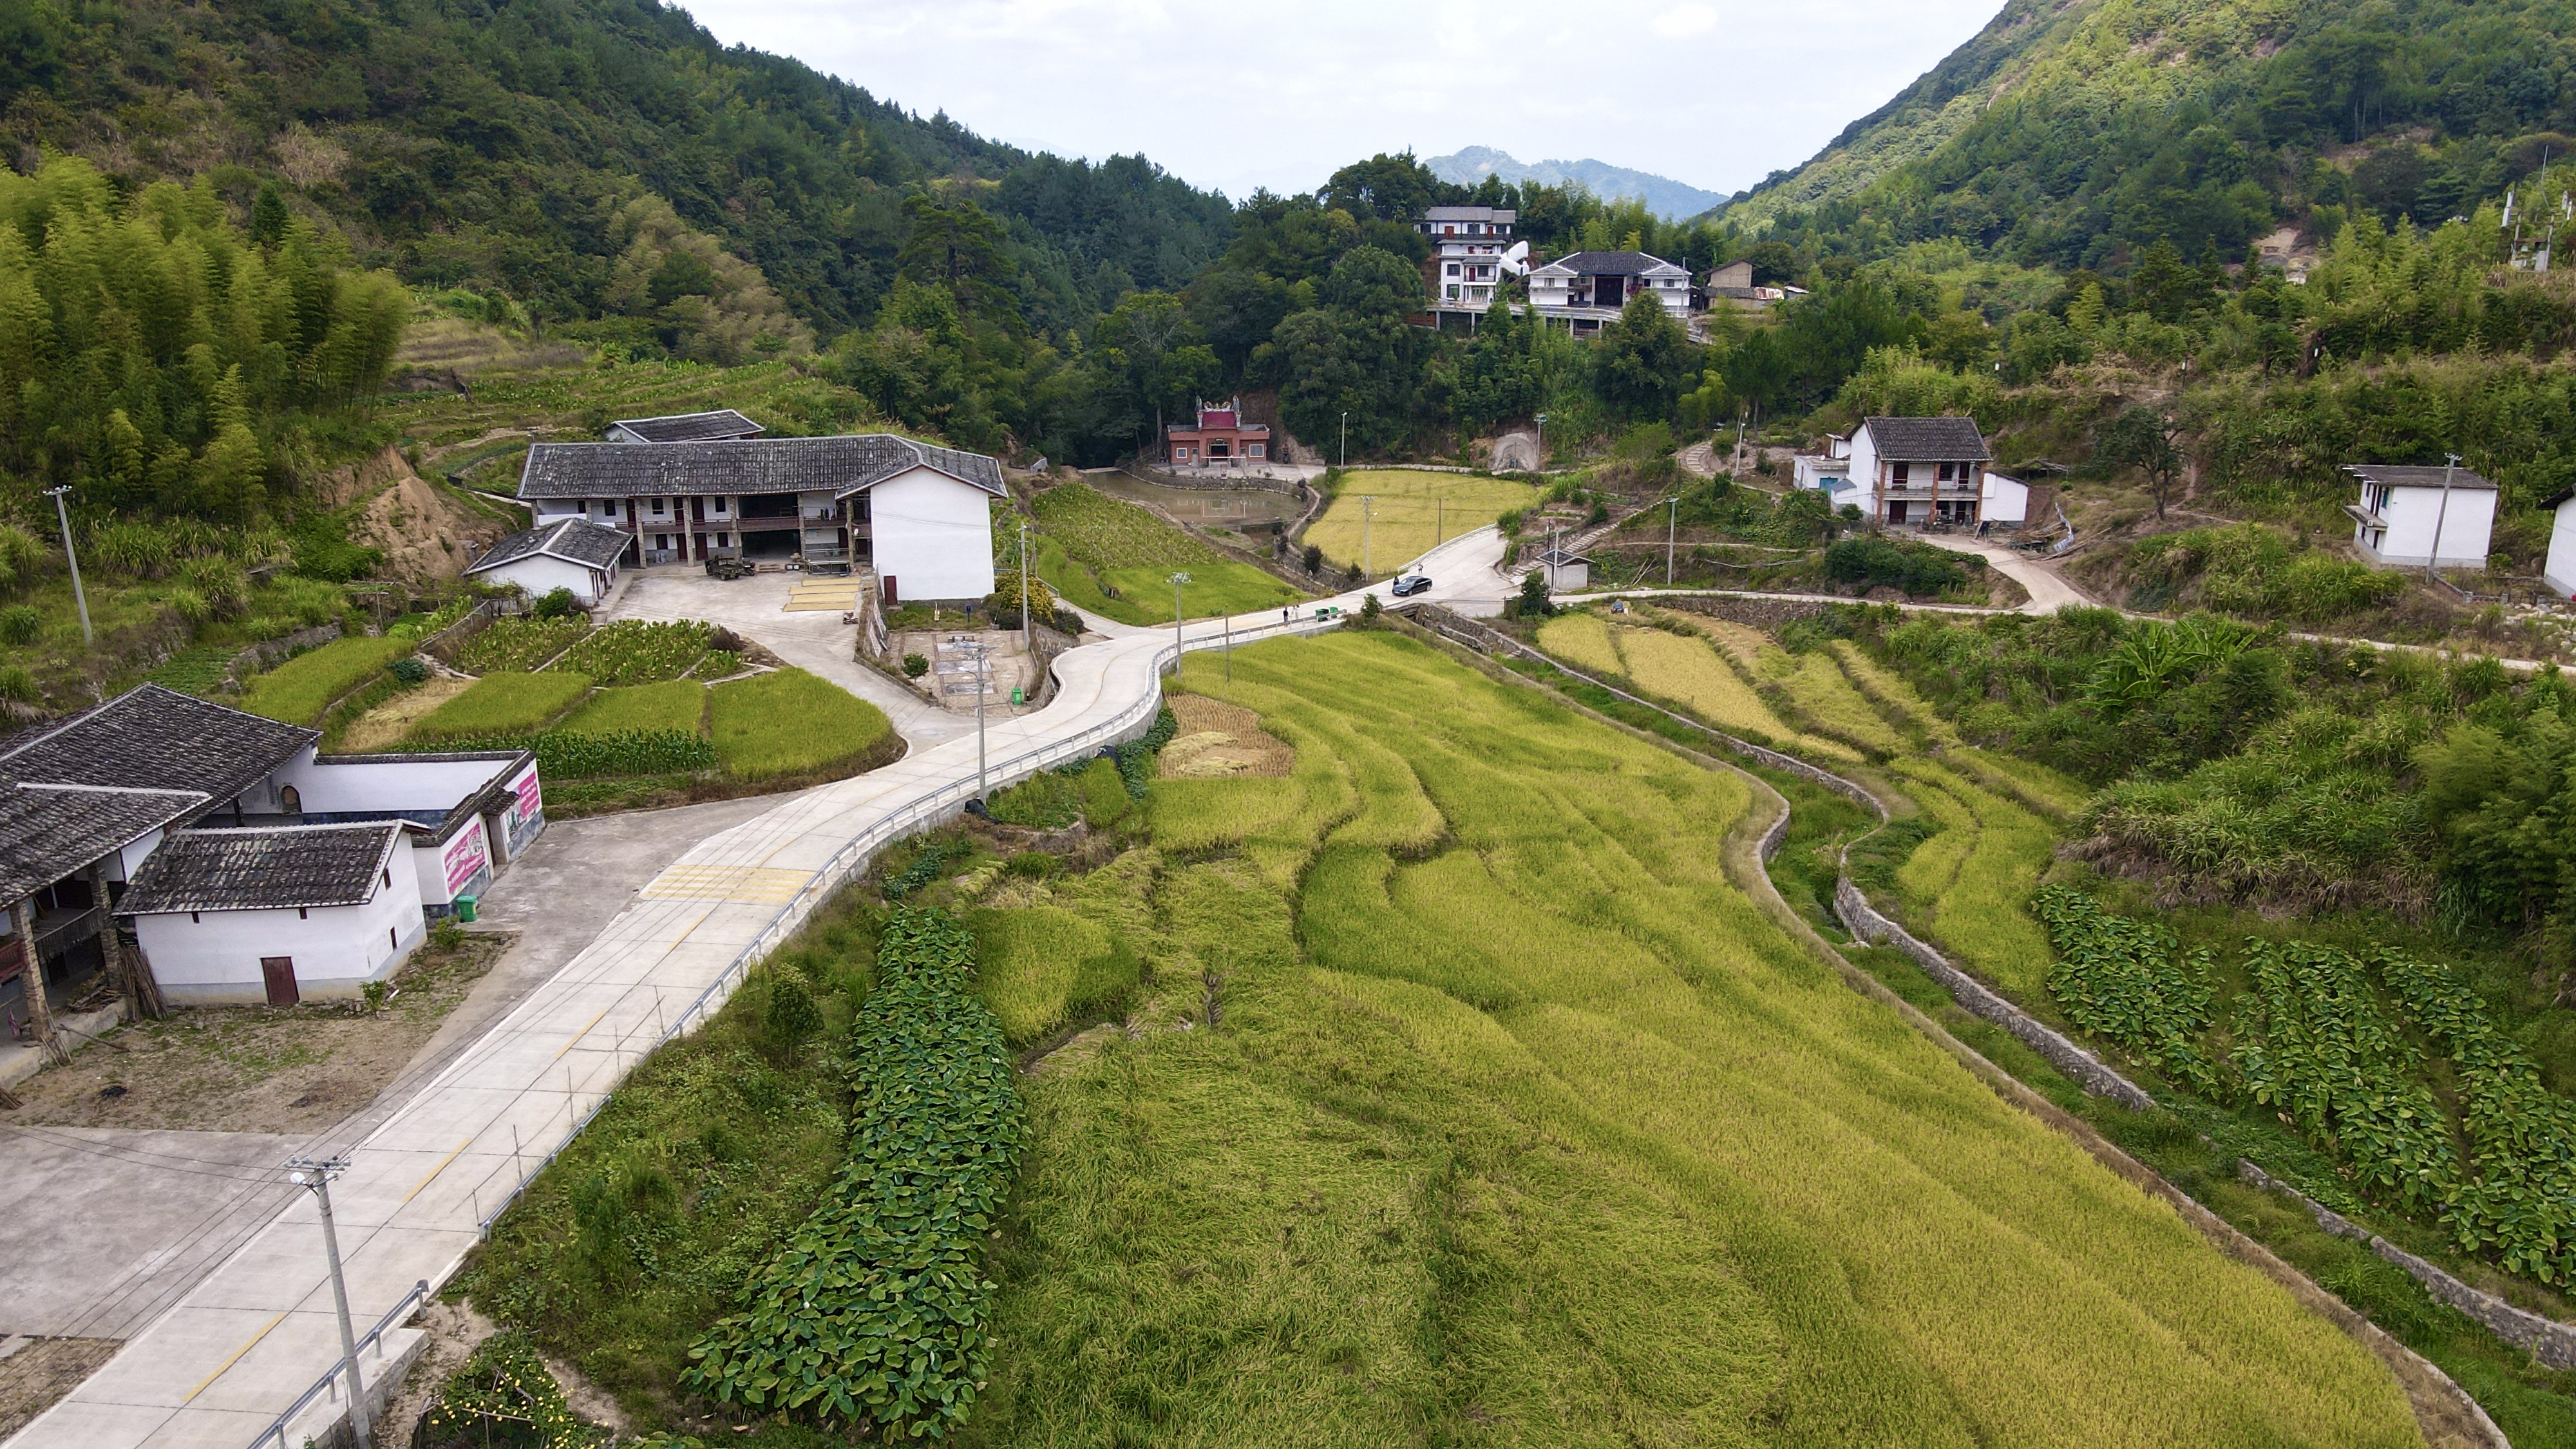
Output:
(218, 1368)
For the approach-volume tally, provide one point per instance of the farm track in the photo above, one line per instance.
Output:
(2446, 1413)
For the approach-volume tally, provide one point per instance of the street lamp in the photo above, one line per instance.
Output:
(1368, 514)
(1542, 442)
(1177, 581)
(63, 515)
(314, 1176)
(1346, 440)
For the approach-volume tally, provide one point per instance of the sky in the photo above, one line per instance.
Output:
(1237, 96)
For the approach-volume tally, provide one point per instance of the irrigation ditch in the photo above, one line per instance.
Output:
(2445, 1411)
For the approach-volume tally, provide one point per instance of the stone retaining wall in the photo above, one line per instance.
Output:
(1760, 613)
(443, 645)
(1293, 487)
(2087, 1070)
(2547, 1340)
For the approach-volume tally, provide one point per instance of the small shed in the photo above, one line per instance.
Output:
(275, 913)
(2004, 500)
(2404, 507)
(569, 553)
(1567, 573)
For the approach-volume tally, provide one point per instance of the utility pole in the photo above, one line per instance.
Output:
(1672, 525)
(1177, 581)
(1346, 440)
(1229, 648)
(983, 651)
(1028, 639)
(2433, 559)
(1368, 511)
(1542, 441)
(63, 515)
(314, 1176)
(1439, 521)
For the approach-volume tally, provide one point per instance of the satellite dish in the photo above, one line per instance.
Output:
(1516, 260)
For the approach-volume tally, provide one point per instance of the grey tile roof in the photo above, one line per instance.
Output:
(156, 739)
(691, 427)
(1927, 440)
(839, 466)
(2408, 475)
(573, 539)
(50, 831)
(1610, 264)
(1469, 213)
(273, 868)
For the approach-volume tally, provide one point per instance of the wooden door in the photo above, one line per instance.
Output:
(278, 974)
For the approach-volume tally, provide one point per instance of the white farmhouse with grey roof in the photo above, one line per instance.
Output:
(2410, 516)
(90, 804)
(569, 553)
(916, 515)
(1904, 471)
(1586, 289)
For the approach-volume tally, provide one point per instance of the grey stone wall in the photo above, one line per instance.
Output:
(1760, 613)
(2085, 1068)
(2547, 1340)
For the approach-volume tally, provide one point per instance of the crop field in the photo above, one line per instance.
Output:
(679, 704)
(640, 651)
(1973, 881)
(1582, 638)
(1687, 670)
(1546, 1132)
(788, 722)
(1111, 557)
(297, 691)
(1887, 691)
(1414, 511)
(502, 704)
(517, 645)
(2033, 783)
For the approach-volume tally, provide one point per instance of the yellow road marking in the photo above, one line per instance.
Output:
(222, 1368)
(435, 1171)
(576, 1036)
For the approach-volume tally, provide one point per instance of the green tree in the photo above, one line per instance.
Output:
(1641, 361)
(2148, 440)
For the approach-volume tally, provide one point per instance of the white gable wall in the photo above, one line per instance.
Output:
(2560, 573)
(2004, 500)
(932, 535)
(542, 574)
(213, 960)
(2411, 512)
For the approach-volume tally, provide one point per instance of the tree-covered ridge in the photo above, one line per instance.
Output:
(494, 146)
(153, 352)
(2078, 137)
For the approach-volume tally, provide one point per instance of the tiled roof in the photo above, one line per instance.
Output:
(2407, 475)
(50, 831)
(576, 540)
(1469, 213)
(1610, 264)
(262, 869)
(156, 739)
(1927, 440)
(691, 427)
(839, 466)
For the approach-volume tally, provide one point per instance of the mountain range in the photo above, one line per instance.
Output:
(1665, 197)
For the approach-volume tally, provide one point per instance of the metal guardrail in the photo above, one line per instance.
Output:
(935, 808)
(329, 1383)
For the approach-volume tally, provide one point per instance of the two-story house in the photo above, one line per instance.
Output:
(1587, 289)
(1472, 251)
(1904, 471)
(1218, 436)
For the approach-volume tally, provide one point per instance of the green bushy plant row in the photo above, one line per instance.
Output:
(568, 755)
(877, 1314)
(1136, 757)
(2129, 981)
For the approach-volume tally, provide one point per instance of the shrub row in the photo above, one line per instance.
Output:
(572, 755)
(877, 1317)
(2130, 982)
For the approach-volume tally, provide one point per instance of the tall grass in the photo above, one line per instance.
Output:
(501, 704)
(678, 704)
(299, 690)
(1544, 1132)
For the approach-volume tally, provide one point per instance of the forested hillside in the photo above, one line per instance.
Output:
(2077, 135)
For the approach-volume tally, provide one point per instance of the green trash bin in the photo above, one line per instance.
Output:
(465, 909)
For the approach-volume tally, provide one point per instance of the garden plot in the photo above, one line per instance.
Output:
(1412, 513)
(1115, 559)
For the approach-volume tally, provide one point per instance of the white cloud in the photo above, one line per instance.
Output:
(1237, 97)
(1686, 20)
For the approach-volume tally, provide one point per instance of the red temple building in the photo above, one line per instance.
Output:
(1220, 436)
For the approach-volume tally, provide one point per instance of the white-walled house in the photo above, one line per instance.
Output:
(1907, 471)
(2560, 572)
(1472, 252)
(2403, 507)
(573, 554)
(2003, 500)
(275, 913)
(916, 515)
(90, 802)
(1587, 289)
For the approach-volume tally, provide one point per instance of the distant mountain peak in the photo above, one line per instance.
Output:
(1665, 197)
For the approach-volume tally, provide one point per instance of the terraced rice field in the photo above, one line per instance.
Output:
(1520, 1122)
(1414, 511)
(1972, 882)
(1687, 670)
(1113, 558)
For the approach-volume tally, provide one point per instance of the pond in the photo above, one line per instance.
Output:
(1241, 509)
